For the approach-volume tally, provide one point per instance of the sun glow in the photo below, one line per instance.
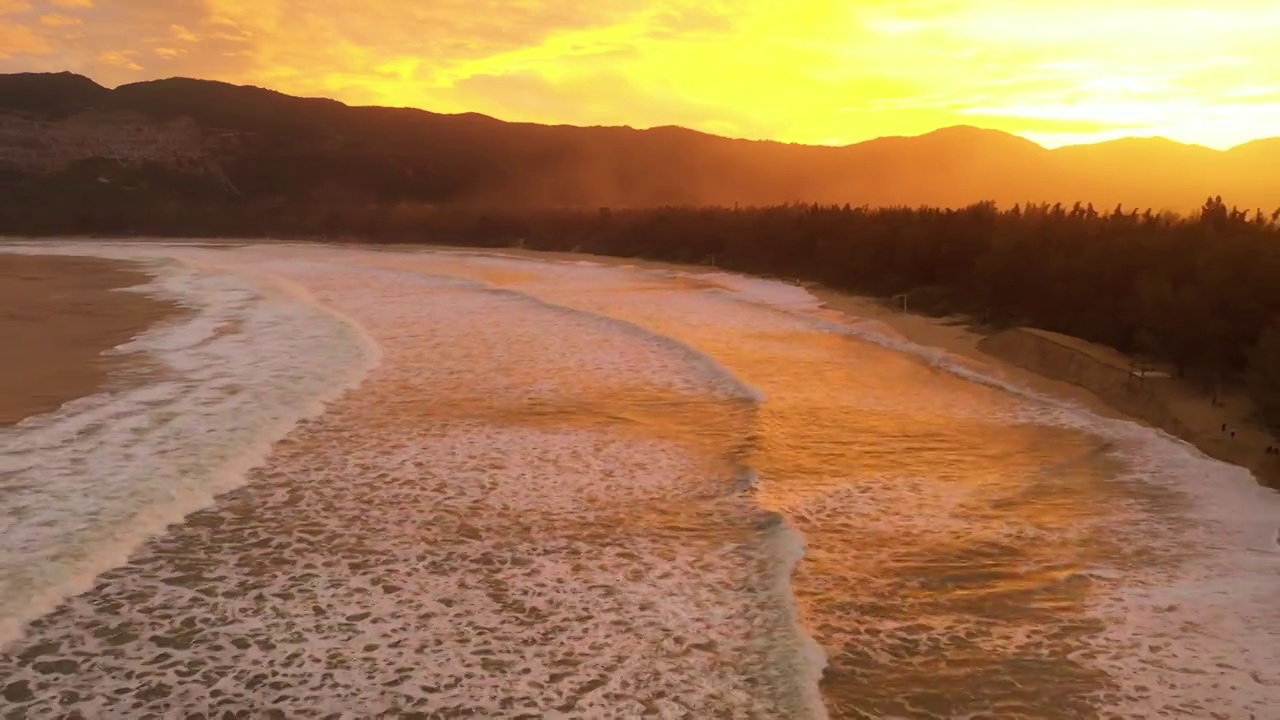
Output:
(816, 71)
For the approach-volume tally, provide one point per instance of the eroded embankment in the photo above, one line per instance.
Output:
(1102, 372)
(1162, 402)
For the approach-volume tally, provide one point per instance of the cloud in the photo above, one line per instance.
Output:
(805, 70)
(57, 20)
(20, 40)
(182, 34)
(600, 99)
(120, 58)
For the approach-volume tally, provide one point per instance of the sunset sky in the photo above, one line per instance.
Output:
(813, 71)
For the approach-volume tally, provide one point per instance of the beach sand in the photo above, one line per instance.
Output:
(1088, 374)
(58, 316)
(1092, 375)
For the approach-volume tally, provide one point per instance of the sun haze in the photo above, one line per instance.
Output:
(811, 71)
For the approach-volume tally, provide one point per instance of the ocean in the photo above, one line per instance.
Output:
(440, 483)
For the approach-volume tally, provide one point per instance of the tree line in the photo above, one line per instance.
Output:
(1200, 292)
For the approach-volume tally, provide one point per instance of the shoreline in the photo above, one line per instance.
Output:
(1022, 354)
(65, 315)
(449, 548)
(1171, 405)
(1094, 376)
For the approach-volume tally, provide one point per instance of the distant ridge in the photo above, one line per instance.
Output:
(265, 144)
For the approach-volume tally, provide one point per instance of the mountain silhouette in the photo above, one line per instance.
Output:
(201, 139)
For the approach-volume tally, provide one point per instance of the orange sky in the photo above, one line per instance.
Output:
(815, 71)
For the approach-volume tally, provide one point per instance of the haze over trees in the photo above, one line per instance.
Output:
(261, 146)
(1198, 290)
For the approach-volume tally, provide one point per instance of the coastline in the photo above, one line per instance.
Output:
(375, 465)
(1171, 405)
(957, 337)
(1096, 377)
(65, 313)
(63, 316)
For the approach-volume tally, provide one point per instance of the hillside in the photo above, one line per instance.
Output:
(186, 141)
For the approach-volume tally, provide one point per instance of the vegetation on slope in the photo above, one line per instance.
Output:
(274, 147)
(1199, 292)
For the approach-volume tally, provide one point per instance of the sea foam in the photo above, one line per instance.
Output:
(1198, 619)
(467, 532)
(87, 484)
(1201, 613)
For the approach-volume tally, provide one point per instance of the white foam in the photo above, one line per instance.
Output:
(774, 293)
(1219, 559)
(448, 493)
(599, 277)
(786, 546)
(86, 485)
(565, 564)
(1199, 634)
(1196, 637)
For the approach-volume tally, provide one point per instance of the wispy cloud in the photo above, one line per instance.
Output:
(120, 58)
(20, 41)
(806, 70)
(59, 20)
(182, 34)
(14, 7)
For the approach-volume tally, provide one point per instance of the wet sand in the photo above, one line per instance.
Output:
(1178, 407)
(58, 316)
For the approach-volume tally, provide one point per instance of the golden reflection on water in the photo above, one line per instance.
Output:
(946, 537)
(944, 544)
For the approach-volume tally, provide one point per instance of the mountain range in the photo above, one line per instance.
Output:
(185, 140)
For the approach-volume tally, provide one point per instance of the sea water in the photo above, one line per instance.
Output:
(583, 490)
(82, 487)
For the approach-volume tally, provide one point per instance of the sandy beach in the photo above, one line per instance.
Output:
(1092, 375)
(58, 316)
